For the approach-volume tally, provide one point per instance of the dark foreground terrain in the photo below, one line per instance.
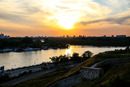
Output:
(116, 76)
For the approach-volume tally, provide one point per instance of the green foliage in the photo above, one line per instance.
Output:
(87, 54)
(25, 73)
(117, 82)
(4, 78)
(127, 49)
(60, 59)
(42, 81)
(75, 57)
(116, 77)
(64, 59)
(55, 43)
(106, 81)
(95, 41)
(19, 43)
(59, 42)
(97, 58)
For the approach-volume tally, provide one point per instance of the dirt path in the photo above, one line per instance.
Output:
(27, 77)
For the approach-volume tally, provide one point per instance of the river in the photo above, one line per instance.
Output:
(14, 60)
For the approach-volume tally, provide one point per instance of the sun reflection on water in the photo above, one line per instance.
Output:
(68, 52)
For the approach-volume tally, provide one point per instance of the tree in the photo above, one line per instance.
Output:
(55, 60)
(75, 57)
(63, 59)
(127, 49)
(60, 59)
(87, 54)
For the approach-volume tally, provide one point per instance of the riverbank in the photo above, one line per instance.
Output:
(32, 70)
(74, 71)
(21, 59)
(61, 42)
(35, 68)
(18, 75)
(19, 50)
(20, 44)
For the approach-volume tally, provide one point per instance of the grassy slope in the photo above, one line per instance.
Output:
(116, 77)
(93, 60)
(43, 81)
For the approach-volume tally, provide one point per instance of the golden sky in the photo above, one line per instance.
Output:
(64, 17)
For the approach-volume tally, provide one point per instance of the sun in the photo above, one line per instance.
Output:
(66, 21)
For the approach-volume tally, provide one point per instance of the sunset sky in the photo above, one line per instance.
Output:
(64, 17)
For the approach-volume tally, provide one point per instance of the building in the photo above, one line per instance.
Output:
(104, 36)
(112, 36)
(121, 36)
(4, 36)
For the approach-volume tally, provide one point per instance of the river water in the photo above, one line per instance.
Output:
(21, 59)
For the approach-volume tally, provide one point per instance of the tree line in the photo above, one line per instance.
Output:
(61, 42)
(94, 41)
(19, 43)
(74, 58)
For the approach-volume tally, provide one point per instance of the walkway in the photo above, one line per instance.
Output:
(27, 77)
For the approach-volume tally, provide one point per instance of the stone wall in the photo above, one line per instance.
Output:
(90, 73)
(85, 73)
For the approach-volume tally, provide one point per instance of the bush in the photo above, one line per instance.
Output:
(116, 82)
(60, 59)
(4, 78)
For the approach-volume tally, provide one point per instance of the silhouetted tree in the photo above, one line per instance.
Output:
(127, 49)
(87, 54)
(75, 54)
(75, 57)
(55, 59)
(60, 59)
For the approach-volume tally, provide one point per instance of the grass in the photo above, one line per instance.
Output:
(42, 81)
(48, 79)
(93, 60)
(117, 76)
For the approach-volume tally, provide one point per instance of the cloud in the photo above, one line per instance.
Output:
(7, 30)
(45, 14)
(118, 5)
(79, 10)
(125, 20)
(30, 7)
(15, 18)
(62, 7)
(50, 9)
(22, 12)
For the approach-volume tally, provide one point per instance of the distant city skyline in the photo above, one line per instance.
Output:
(19, 18)
(2, 35)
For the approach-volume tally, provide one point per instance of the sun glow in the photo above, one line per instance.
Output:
(66, 21)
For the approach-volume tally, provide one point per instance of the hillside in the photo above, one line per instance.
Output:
(117, 76)
(97, 58)
(121, 70)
